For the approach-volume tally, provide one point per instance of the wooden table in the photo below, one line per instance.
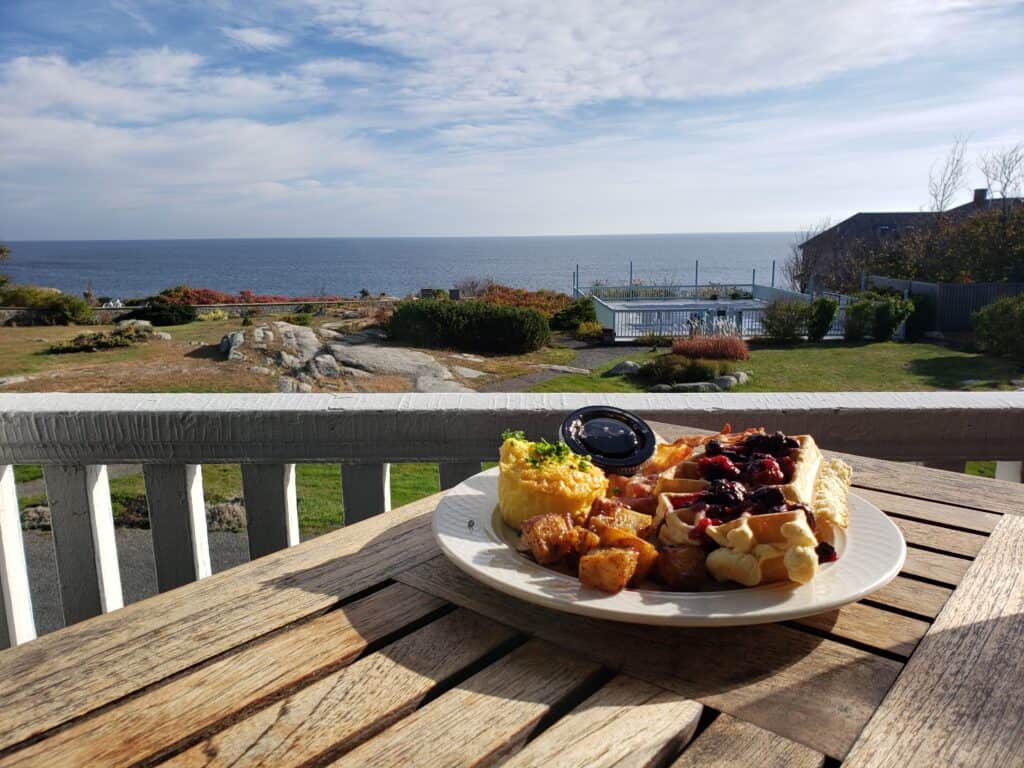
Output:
(366, 647)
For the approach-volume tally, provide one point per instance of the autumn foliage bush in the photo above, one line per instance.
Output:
(717, 347)
(544, 301)
(185, 294)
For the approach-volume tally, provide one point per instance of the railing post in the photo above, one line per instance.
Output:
(1011, 471)
(454, 472)
(271, 507)
(177, 517)
(83, 539)
(16, 622)
(365, 490)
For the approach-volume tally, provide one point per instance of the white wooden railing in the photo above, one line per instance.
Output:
(74, 437)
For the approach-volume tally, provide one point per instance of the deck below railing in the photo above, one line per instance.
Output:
(74, 437)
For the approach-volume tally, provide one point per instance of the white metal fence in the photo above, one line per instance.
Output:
(75, 436)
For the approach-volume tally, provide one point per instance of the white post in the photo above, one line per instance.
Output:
(83, 539)
(365, 490)
(177, 516)
(1011, 471)
(271, 507)
(16, 622)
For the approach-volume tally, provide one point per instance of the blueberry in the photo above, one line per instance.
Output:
(712, 448)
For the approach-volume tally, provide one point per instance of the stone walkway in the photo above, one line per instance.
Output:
(587, 357)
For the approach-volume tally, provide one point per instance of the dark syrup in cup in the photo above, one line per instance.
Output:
(617, 441)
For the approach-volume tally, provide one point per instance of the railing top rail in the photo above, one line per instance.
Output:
(196, 428)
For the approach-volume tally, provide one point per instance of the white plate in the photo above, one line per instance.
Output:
(471, 533)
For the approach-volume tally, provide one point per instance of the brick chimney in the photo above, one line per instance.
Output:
(980, 196)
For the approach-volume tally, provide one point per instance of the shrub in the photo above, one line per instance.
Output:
(676, 369)
(299, 319)
(571, 317)
(717, 347)
(860, 318)
(822, 313)
(589, 331)
(185, 294)
(922, 319)
(162, 312)
(544, 301)
(91, 342)
(890, 312)
(999, 327)
(469, 325)
(785, 321)
(61, 309)
(217, 314)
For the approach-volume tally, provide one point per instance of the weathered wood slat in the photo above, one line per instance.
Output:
(729, 742)
(150, 724)
(932, 565)
(177, 517)
(67, 674)
(454, 472)
(958, 702)
(627, 724)
(871, 626)
(911, 595)
(16, 622)
(934, 484)
(809, 689)
(271, 507)
(348, 707)
(83, 538)
(944, 539)
(365, 490)
(932, 511)
(483, 719)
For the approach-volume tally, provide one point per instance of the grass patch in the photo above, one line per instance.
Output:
(834, 367)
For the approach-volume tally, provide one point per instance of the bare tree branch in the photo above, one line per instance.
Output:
(800, 265)
(943, 186)
(1004, 170)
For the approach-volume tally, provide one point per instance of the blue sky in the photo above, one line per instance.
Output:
(134, 119)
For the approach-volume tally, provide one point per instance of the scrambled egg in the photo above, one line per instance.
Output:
(765, 548)
(536, 478)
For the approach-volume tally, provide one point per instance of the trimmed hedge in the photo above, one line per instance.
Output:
(785, 321)
(823, 312)
(876, 315)
(162, 312)
(473, 326)
(999, 327)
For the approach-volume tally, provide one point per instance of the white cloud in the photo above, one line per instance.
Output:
(257, 37)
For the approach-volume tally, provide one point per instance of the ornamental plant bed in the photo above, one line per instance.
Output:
(715, 347)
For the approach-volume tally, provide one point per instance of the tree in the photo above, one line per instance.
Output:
(1003, 170)
(943, 186)
(5, 252)
(800, 265)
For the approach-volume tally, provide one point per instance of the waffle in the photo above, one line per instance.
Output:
(806, 459)
(763, 549)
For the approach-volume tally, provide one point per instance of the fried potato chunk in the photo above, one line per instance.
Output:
(609, 569)
(626, 519)
(682, 568)
(647, 553)
(550, 537)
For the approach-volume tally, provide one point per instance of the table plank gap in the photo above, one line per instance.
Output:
(942, 540)
(627, 722)
(912, 597)
(168, 716)
(82, 668)
(873, 629)
(958, 701)
(935, 566)
(943, 513)
(320, 722)
(809, 689)
(486, 718)
(730, 742)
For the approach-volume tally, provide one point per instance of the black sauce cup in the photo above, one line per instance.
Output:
(617, 441)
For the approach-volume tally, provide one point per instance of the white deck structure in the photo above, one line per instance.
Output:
(76, 436)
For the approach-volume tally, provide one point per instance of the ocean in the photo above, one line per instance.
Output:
(397, 266)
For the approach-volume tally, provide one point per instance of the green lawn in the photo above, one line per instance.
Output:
(837, 367)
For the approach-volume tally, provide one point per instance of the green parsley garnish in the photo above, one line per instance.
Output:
(514, 434)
